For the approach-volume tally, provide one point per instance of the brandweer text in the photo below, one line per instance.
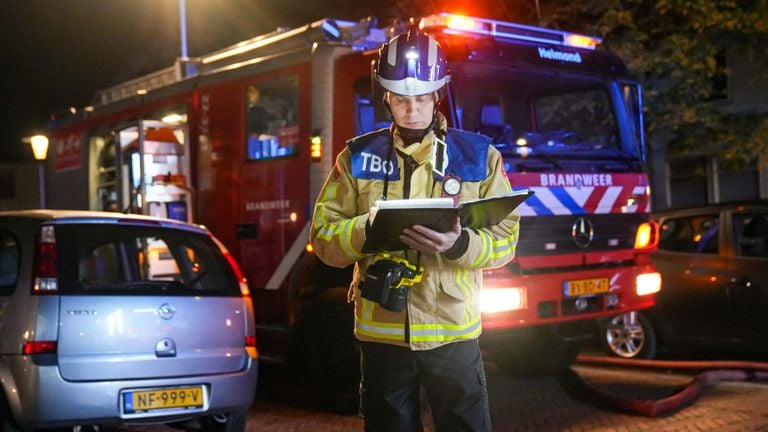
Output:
(576, 180)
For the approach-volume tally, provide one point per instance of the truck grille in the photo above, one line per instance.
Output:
(551, 235)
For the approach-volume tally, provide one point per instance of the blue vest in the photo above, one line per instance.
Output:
(373, 157)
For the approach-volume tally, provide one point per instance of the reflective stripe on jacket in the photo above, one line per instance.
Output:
(444, 306)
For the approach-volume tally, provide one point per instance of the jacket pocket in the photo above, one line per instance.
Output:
(453, 291)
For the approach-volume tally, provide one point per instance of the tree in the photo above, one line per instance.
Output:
(676, 49)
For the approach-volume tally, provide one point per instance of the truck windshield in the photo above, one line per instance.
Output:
(545, 115)
(540, 119)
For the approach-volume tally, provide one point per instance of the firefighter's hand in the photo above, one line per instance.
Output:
(425, 240)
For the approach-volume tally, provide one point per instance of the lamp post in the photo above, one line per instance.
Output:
(189, 68)
(39, 145)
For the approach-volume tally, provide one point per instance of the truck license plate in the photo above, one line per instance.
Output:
(582, 287)
(158, 399)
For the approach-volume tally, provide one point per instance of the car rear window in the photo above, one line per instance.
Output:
(132, 260)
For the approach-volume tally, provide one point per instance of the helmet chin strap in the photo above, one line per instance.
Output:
(412, 136)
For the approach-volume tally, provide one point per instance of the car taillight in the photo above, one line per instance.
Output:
(647, 236)
(46, 260)
(250, 347)
(39, 347)
(250, 341)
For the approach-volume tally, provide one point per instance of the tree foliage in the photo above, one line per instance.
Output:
(676, 49)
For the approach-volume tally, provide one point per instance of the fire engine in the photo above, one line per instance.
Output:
(241, 140)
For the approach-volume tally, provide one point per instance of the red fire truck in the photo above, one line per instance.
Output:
(241, 140)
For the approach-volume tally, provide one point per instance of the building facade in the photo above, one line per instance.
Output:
(701, 177)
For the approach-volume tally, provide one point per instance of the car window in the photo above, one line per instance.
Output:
(9, 262)
(115, 259)
(751, 231)
(696, 234)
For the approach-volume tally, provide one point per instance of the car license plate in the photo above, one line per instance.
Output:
(582, 287)
(163, 398)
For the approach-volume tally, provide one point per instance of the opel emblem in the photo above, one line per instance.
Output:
(582, 232)
(166, 311)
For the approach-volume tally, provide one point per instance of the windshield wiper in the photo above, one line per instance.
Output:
(547, 157)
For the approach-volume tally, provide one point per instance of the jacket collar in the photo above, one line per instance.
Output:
(421, 152)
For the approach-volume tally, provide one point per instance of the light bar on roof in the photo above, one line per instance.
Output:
(577, 40)
(459, 24)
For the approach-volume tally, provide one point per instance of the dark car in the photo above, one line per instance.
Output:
(111, 319)
(714, 299)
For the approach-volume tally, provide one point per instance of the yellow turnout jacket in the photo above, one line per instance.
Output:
(444, 307)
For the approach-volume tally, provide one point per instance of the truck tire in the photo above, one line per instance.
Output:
(621, 336)
(325, 354)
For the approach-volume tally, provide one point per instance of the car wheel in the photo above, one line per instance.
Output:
(229, 422)
(326, 357)
(629, 335)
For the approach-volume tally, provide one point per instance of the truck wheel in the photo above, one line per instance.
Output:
(629, 335)
(326, 357)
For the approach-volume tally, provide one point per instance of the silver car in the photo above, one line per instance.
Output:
(109, 319)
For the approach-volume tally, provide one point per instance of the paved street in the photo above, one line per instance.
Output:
(542, 404)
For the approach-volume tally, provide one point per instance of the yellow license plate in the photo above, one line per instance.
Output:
(582, 287)
(158, 399)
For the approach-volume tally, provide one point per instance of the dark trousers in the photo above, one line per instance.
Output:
(451, 375)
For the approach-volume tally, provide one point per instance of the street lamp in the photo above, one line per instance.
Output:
(39, 145)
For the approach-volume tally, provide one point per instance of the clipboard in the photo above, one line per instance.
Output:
(437, 214)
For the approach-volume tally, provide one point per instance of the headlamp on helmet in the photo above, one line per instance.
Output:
(411, 64)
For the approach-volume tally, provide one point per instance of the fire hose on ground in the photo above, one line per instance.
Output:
(713, 371)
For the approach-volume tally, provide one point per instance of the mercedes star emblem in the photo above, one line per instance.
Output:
(582, 232)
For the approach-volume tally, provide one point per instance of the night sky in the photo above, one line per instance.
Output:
(57, 53)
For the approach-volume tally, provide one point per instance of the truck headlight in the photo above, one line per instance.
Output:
(494, 300)
(647, 283)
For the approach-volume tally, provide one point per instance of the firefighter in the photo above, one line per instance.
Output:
(423, 334)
